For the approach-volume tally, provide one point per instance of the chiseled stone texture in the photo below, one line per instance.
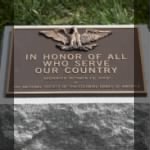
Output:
(74, 127)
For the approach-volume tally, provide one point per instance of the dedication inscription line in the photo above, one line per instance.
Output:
(93, 63)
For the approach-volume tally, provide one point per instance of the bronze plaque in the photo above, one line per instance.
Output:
(75, 61)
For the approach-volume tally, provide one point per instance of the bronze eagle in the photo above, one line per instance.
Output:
(73, 40)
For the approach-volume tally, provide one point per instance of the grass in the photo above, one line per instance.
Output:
(50, 12)
(73, 12)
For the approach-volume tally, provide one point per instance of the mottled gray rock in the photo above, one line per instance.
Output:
(142, 126)
(6, 127)
(74, 127)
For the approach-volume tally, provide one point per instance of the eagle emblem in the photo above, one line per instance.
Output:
(73, 40)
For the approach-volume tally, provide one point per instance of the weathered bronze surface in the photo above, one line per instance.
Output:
(109, 66)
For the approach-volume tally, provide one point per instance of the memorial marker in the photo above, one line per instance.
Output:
(75, 61)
